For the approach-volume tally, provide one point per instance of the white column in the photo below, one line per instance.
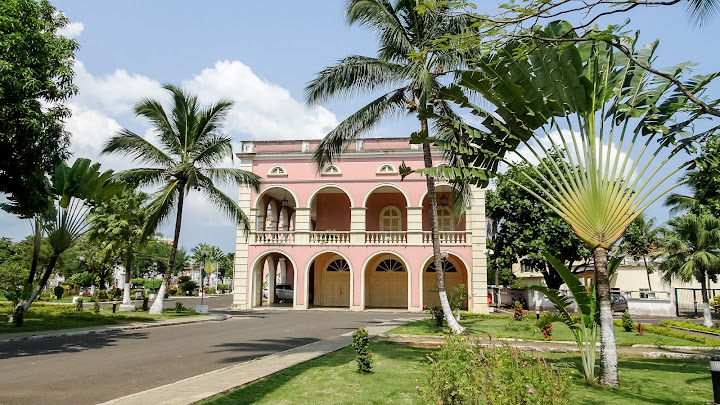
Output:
(241, 275)
(478, 275)
(357, 225)
(282, 269)
(272, 274)
(302, 226)
(414, 225)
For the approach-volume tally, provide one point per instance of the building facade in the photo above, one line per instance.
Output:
(352, 234)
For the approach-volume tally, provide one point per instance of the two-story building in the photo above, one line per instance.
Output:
(352, 234)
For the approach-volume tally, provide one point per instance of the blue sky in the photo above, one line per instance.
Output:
(260, 54)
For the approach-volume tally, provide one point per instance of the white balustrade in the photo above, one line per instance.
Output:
(385, 237)
(329, 237)
(274, 237)
(447, 237)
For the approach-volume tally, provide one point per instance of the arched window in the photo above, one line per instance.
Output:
(445, 219)
(338, 265)
(391, 219)
(390, 265)
(447, 266)
(331, 170)
(386, 168)
(277, 170)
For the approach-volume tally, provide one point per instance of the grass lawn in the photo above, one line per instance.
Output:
(53, 317)
(332, 379)
(507, 328)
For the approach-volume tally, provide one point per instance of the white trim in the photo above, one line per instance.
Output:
(393, 170)
(283, 171)
(306, 304)
(268, 187)
(372, 257)
(348, 155)
(326, 170)
(331, 185)
(407, 199)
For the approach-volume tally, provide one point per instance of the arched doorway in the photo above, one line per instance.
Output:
(386, 282)
(455, 274)
(272, 281)
(275, 217)
(329, 281)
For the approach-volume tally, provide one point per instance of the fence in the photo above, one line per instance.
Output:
(688, 301)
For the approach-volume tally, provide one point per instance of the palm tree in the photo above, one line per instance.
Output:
(692, 251)
(639, 240)
(191, 146)
(604, 111)
(409, 65)
(703, 182)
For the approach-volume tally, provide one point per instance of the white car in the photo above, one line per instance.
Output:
(282, 292)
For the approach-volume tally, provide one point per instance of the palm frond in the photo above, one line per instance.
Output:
(226, 205)
(161, 206)
(128, 143)
(234, 176)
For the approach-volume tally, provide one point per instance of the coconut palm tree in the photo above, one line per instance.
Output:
(613, 121)
(639, 239)
(692, 251)
(409, 66)
(191, 145)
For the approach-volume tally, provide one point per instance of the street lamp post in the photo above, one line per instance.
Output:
(204, 254)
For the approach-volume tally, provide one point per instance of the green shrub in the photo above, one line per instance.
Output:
(96, 307)
(211, 291)
(172, 290)
(183, 279)
(434, 315)
(100, 295)
(152, 284)
(518, 311)
(457, 297)
(59, 291)
(687, 324)
(223, 287)
(463, 373)
(470, 315)
(627, 322)
(115, 293)
(361, 344)
(667, 331)
(187, 286)
(79, 305)
(137, 282)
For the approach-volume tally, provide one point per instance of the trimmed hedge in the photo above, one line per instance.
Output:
(689, 325)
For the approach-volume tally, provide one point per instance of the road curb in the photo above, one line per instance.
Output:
(117, 328)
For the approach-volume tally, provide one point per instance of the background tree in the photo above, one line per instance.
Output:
(208, 264)
(118, 226)
(152, 259)
(639, 240)
(226, 267)
(192, 144)
(528, 228)
(580, 98)
(411, 67)
(35, 78)
(703, 183)
(692, 251)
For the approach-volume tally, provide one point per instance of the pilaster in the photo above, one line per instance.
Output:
(414, 225)
(357, 225)
(478, 279)
(242, 244)
(302, 226)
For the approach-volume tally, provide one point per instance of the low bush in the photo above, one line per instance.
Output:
(361, 344)
(96, 307)
(627, 322)
(223, 287)
(188, 286)
(469, 315)
(518, 312)
(100, 295)
(463, 373)
(179, 307)
(211, 290)
(172, 290)
(115, 293)
(687, 324)
(79, 305)
(434, 315)
(667, 331)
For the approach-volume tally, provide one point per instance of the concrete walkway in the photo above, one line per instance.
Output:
(194, 389)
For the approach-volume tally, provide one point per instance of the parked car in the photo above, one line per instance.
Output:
(282, 292)
(618, 303)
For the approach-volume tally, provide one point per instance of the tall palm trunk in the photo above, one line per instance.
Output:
(37, 244)
(608, 351)
(129, 258)
(647, 272)
(439, 271)
(157, 306)
(707, 315)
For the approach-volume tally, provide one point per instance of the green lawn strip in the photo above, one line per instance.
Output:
(332, 379)
(55, 317)
(506, 328)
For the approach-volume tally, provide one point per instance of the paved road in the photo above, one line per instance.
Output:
(94, 368)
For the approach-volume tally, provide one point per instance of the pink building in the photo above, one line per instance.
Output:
(352, 235)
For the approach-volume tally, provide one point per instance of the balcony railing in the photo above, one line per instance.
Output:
(447, 237)
(385, 237)
(329, 237)
(274, 237)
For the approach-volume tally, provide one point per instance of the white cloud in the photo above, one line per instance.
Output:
(262, 110)
(72, 30)
(116, 93)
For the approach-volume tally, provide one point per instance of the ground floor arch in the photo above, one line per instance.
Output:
(272, 270)
(386, 279)
(329, 279)
(456, 273)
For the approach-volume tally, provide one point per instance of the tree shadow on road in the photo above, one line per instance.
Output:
(247, 351)
(64, 344)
